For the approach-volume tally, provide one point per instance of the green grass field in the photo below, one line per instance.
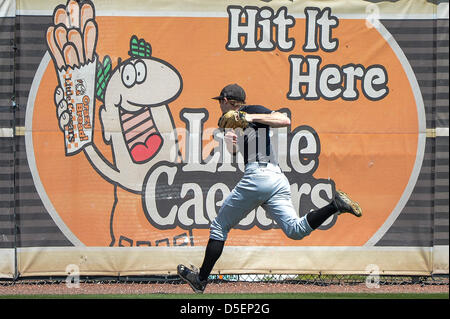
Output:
(243, 296)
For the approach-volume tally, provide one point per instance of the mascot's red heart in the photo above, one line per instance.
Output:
(143, 152)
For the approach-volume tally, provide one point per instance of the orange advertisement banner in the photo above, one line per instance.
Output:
(123, 132)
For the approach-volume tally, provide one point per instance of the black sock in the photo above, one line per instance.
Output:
(317, 217)
(213, 251)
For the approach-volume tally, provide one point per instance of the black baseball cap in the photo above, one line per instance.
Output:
(232, 92)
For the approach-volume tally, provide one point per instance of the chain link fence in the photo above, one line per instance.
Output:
(292, 279)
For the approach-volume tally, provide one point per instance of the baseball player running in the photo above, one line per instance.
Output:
(263, 183)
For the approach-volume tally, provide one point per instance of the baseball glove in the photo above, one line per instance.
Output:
(233, 119)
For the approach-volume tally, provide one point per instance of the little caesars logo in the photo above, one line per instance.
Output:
(189, 195)
(158, 144)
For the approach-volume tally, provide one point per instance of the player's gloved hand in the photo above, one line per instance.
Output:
(233, 119)
(62, 110)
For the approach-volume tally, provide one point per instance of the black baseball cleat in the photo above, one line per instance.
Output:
(191, 276)
(345, 204)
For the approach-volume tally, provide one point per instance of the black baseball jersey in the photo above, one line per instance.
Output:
(257, 143)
